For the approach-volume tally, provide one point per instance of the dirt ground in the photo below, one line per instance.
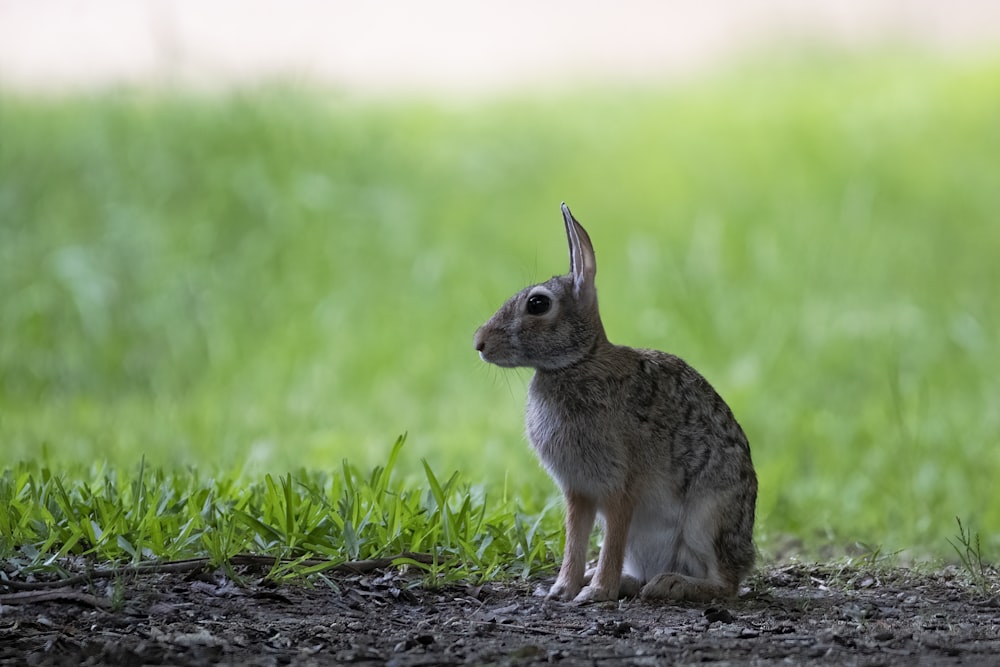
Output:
(789, 614)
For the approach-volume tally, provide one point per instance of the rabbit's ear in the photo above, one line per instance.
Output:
(582, 263)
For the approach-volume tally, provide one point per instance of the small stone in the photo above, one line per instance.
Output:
(529, 651)
(714, 615)
(509, 609)
(200, 638)
(621, 629)
(556, 655)
(818, 651)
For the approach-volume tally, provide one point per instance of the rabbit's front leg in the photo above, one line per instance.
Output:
(580, 514)
(606, 582)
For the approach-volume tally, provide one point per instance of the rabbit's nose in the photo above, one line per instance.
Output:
(480, 346)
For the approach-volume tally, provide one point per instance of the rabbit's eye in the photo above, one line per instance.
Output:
(538, 304)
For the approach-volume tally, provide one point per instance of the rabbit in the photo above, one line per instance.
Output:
(635, 438)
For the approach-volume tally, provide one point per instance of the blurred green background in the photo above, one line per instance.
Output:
(282, 278)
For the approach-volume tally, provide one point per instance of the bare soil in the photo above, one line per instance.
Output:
(790, 614)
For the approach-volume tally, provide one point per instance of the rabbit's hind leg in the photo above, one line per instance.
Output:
(673, 586)
(694, 572)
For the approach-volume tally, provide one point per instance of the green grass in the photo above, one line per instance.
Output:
(299, 519)
(230, 287)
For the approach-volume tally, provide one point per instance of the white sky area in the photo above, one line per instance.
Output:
(386, 46)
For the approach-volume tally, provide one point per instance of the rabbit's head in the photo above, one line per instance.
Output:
(551, 325)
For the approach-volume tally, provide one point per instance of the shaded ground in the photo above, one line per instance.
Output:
(795, 614)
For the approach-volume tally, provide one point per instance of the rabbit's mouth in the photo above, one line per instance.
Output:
(502, 363)
(490, 352)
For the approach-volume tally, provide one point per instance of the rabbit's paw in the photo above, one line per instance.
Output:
(589, 594)
(665, 586)
(671, 586)
(563, 590)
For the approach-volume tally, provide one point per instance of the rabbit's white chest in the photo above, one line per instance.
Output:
(579, 450)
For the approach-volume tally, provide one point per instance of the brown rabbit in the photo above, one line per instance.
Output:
(636, 438)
